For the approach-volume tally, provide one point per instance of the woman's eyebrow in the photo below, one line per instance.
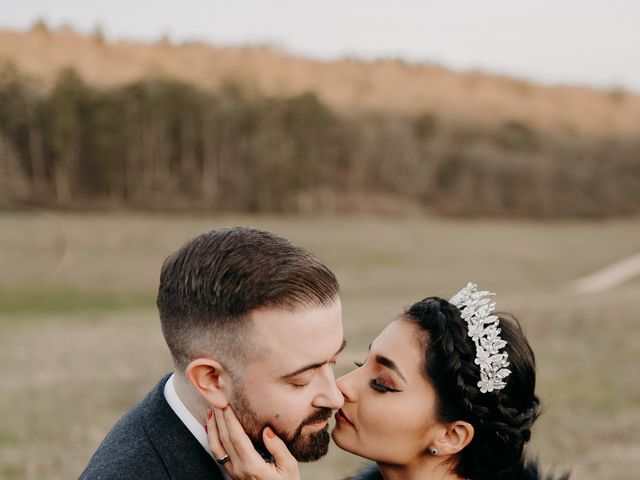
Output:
(386, 362)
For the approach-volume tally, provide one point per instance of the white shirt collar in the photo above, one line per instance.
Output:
(187, 417)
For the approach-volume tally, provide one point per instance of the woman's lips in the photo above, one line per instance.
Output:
(342, 419)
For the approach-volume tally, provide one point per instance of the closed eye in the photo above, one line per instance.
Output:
(379, 387)
(298, 385)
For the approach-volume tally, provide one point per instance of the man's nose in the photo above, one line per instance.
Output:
(330, 396)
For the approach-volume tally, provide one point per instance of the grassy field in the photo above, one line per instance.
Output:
(80, 342)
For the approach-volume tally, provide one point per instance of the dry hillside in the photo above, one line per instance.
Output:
(347, 85)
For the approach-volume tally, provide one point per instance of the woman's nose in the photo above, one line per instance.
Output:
(345, 385)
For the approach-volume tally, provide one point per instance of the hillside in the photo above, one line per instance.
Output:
(346, 85)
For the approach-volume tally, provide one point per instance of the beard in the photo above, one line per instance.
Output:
(305, 447)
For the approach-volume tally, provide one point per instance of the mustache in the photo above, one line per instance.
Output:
(318, 416)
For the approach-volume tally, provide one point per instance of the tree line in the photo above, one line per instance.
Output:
(160, 143)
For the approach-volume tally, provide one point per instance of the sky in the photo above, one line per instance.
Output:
(583, 42)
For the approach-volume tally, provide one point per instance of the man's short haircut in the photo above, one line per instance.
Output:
(209, 287)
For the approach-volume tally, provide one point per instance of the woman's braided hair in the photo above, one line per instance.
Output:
(502, 419)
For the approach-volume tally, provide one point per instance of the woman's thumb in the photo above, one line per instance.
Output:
(277, 448)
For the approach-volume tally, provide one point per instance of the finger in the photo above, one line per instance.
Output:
(241, 442)
(223, 432)
(214, 437)
(281, 454)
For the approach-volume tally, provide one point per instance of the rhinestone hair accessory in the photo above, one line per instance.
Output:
(477, 309)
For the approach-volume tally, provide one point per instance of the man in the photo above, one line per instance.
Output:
(252, 321)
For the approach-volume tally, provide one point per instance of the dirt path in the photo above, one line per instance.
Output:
(608, 277)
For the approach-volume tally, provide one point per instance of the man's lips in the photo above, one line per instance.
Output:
(317, 424)
(319, 419)
(342, 418)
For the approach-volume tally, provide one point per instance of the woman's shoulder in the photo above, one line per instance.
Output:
(369, 472)
(533, 471)
(528, 470)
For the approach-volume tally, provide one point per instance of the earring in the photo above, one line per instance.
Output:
(434, 451)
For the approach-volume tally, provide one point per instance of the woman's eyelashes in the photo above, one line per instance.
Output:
(376, 385)
(380, 387)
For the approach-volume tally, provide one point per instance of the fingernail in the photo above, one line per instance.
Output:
(270, 433)
(209, 414)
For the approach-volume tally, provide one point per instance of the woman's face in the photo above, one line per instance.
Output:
(389, 410)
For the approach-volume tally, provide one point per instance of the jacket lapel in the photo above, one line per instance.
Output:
(183, 456)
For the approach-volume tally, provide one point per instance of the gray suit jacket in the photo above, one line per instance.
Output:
(151, 442)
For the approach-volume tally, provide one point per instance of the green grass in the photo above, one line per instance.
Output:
(12, 471)
(47, 302)
(6, 436)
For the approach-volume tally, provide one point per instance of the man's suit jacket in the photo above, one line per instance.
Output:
(151, 442)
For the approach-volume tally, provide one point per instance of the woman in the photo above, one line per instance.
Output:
(447, 391)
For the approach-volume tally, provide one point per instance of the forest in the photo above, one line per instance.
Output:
(164, 144)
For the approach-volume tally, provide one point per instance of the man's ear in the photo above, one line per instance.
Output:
(210, 380)
(454, 437)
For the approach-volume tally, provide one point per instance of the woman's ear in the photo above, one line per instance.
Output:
(210, 379)
(454, 438)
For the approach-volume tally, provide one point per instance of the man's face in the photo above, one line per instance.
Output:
(290, 386)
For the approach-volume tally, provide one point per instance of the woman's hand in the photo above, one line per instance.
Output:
(227, 437)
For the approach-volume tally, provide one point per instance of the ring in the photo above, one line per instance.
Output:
(223, 460)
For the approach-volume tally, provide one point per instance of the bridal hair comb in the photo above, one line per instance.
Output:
(476, 309)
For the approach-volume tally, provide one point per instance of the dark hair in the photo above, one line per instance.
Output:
(502, 419)
(209, 287)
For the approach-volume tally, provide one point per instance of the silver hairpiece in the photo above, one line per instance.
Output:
(476, 309)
